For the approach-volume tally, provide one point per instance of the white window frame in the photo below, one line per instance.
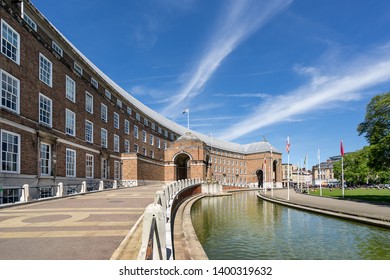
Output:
(158, 143)
(151, 139)
(94, 83)
(78, 69)
(70, 163)
(144, 152)
(119, 103)
(12, 48)
(10, 81)
(146, 122)
(70, 88)
(128, 110)
(8, 153)
(136, 148)
(144, 136)
(137, 117)
(103, 113)
(103, 137)
(136, 132)
(88, 131)
(57, 48)
(107, 94)
(117, 170)
(88, 102)
(45, 110)
(127, 146)
(70, 122)
(45, 70)
(127, 127)
(45, 161)
(151, 153)
(89, 166)
(30, 22)
(116, 120)
(116, 143)
(104, 174)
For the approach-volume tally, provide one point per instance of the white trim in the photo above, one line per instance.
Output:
(19, 149)
(17, 111)
(40, 159)
(50, 82)
(66, 163)
(51, 110)
(93, 166)
(17, 58)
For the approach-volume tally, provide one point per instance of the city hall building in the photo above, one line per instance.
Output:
(63, 120)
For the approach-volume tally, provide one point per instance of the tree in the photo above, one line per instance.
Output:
(376, 129)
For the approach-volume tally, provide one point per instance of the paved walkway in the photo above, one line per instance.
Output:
(362, 211)
(82, 227)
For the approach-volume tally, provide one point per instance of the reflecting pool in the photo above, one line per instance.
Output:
(244, 227)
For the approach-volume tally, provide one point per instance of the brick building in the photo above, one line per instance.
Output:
(63, 120)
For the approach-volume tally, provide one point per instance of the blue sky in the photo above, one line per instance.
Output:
(247, 70)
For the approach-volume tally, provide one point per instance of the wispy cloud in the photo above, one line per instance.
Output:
(240, 20)
(321, 92)
(243, 95)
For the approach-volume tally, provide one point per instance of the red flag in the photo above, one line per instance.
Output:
(288, 144)
(341, 148)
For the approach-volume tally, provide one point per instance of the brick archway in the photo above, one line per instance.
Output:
(182, 163)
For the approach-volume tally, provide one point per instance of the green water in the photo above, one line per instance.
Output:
(244, 227)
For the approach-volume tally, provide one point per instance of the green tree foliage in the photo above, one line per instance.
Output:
(376, 129)
(357, 170)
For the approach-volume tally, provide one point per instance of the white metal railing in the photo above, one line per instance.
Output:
(30, 193)
(156, 232)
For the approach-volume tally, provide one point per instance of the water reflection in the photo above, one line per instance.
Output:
(245, 227)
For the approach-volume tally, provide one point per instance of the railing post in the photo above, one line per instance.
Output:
(83, 187)
(60, 190)
(115, 185)
(154, 211)
(101, 185)
(161, 199)
(26, 193)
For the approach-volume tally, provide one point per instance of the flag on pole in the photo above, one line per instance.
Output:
(318, 154)
(341, 148)
(186, 110)
(288, 144)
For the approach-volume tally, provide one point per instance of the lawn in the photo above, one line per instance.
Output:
(373, 195)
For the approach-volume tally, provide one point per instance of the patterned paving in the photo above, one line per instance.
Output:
(79, 227)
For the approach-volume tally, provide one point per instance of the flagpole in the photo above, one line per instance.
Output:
(288, 167)
(319, 171)
(272, 175)
(342, 166)
(298, 177)
(188, 119)
(265, 176)
(288, 176)
(342, 174)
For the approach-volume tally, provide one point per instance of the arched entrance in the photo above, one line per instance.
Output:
(182, 163)
(260, 178)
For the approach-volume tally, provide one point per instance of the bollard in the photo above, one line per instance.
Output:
(101, 185)
(115, 185)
